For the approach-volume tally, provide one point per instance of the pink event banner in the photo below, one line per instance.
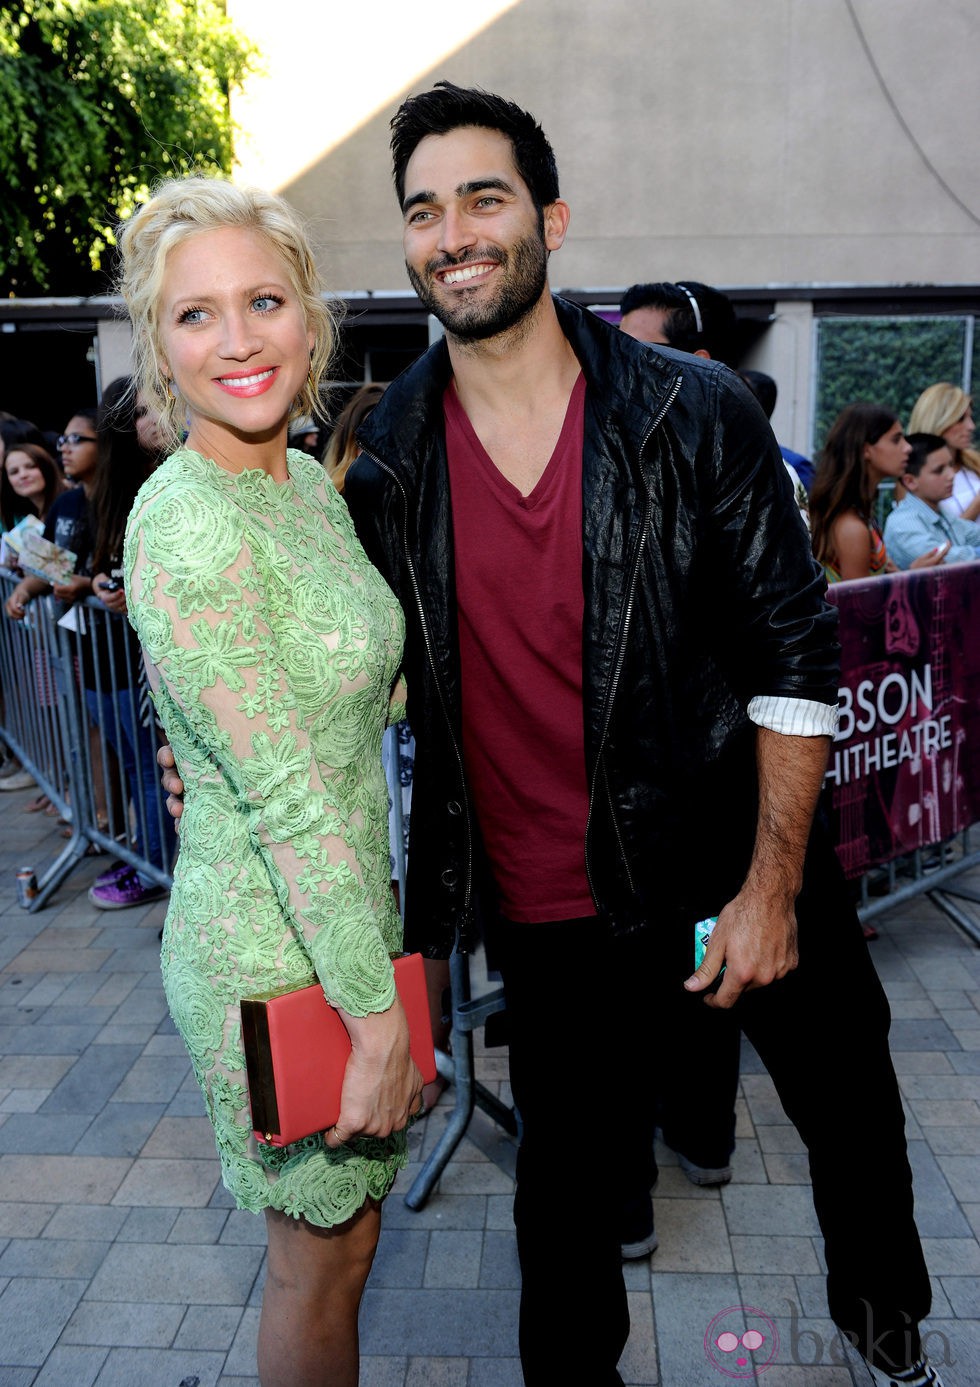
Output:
(904, 771)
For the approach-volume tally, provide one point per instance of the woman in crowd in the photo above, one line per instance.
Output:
(947, 411)
(29, 483)
(111, 663)
(864, 446)
(272, 646)
(342, 448)
(68, 524)
(147, 420)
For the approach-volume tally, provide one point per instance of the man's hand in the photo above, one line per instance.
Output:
(755, 940)
(755, 937)
(172, 783)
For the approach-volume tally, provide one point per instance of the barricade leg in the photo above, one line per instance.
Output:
(468, 1015)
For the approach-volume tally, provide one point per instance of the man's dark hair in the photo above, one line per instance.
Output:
(923, 446)
(698, 316)
(763, 387)
(448, 107)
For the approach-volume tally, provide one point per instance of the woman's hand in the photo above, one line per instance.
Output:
(73, 589)
(17, 603)
(931, 557)
(109, 592)
(382, 1084)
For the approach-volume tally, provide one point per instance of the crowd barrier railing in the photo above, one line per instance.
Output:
(903, 780)
(33, 690)
(78, 716)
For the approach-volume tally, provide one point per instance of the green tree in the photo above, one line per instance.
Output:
(98, 99)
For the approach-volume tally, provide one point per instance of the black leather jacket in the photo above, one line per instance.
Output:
(700, 593)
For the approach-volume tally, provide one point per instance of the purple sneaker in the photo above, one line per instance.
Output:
(125, 891)
(117, 870)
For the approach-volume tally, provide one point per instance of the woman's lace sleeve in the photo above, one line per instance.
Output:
(231, 661)
(397, 702)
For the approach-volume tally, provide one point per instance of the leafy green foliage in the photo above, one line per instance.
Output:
(98, 99)
(886, 360)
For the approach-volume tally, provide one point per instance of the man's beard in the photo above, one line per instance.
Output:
(525, 276)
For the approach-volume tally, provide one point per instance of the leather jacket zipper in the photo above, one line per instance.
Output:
(427, 637)
(621, 657)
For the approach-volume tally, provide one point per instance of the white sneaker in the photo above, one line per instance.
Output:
(17, 780)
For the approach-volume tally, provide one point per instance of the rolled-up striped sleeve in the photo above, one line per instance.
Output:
(794, 717)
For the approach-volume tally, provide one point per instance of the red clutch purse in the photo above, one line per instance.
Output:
(297, 1048)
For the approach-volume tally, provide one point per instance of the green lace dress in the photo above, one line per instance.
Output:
(272, 646)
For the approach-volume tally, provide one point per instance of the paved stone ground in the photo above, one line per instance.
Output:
(123, 1264)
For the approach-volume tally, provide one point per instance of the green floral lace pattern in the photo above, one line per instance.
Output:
(272, 646)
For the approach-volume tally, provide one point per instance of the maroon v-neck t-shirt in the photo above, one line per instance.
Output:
(519, 593)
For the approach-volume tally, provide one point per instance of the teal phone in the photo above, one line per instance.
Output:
(702, 933)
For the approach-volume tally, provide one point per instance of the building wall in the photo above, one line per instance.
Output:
(743, 142)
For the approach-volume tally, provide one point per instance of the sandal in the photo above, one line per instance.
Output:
(36, 805)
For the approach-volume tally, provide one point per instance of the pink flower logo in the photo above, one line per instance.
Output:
(741, 1341)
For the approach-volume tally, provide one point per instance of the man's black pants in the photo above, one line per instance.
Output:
(582, 1009)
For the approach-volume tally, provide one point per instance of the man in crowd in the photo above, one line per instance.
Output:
(917, 523)
(700, 319)
(623, 681)
(689, 316)
(764, 389)
(697, 1122)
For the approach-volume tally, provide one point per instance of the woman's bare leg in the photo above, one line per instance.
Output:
(314, 1282)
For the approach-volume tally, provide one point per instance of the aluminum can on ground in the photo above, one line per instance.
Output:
(26, 886)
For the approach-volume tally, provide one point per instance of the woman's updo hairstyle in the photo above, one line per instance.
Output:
(182, 207)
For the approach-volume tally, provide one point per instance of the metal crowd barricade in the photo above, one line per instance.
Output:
(121, 800)
(77, 716)
(933, 874)
(468, 1013)
(32, 684)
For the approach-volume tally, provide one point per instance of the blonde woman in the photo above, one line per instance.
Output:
(947, 411)
(272, 647)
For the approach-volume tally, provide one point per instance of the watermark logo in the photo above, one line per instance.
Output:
(741, 1341)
